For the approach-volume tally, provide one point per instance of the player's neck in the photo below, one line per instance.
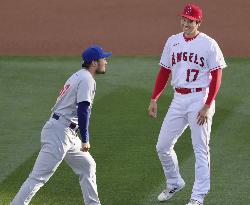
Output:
(91, 71)
(191, 35)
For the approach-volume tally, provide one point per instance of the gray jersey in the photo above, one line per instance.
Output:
(79, 87)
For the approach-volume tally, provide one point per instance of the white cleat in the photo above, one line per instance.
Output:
(168, 193)
(194, 202)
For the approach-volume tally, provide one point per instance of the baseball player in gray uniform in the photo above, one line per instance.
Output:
(59, 138)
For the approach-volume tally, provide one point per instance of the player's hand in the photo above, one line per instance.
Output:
(152, 109)
(85, 147)
(203, 115)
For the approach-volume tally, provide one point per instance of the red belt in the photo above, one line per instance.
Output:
(188, 90)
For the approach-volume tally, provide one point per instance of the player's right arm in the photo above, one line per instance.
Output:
(161, 79)
(160, 84)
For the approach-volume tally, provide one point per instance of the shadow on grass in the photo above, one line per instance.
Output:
(123, 140)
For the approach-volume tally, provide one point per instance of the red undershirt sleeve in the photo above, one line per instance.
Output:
(161, 82)
(214, 85)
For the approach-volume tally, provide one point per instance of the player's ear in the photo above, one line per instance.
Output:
(94, 63)
(198, 23)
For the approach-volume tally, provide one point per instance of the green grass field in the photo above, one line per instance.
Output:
(123, 137)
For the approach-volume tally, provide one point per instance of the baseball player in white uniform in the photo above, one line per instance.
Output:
(195, 63)
(59, 138)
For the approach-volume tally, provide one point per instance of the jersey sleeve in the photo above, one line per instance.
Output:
(214, 86)
(160, 82)
(83, 113)
(165, 56)
(85, 91)
(216, 59)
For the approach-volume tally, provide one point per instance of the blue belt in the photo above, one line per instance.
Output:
(72, 125)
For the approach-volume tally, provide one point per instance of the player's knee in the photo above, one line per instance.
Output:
(158, 148)
(89, 165)
(200, 149)
(40, 178)
(92, 164)
(161, 149)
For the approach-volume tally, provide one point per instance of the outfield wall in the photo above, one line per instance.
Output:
(131, 27)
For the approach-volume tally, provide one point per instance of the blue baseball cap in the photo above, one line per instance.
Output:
(93, 53)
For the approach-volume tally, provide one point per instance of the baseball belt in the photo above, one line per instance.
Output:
(185, 91)
(72, 125)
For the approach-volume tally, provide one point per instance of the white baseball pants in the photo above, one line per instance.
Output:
(59, 142)
(183, 112)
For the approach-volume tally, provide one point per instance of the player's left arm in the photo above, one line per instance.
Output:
(214, 86)
(213, 91)
(83, 113)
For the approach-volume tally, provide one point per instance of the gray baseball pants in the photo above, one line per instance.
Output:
(59, 142)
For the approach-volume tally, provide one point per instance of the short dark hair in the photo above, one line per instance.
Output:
(87, 65)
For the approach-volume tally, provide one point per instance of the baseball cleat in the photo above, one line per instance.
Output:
(194, 202)
(168, 193)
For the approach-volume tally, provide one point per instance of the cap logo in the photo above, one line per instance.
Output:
(189, 10)
(192, 11)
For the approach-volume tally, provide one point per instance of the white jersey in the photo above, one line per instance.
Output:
(191, 61)
(79, 87)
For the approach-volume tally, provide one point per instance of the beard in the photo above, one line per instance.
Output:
(100, 70)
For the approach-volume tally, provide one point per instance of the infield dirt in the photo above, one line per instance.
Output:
(131, 27)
